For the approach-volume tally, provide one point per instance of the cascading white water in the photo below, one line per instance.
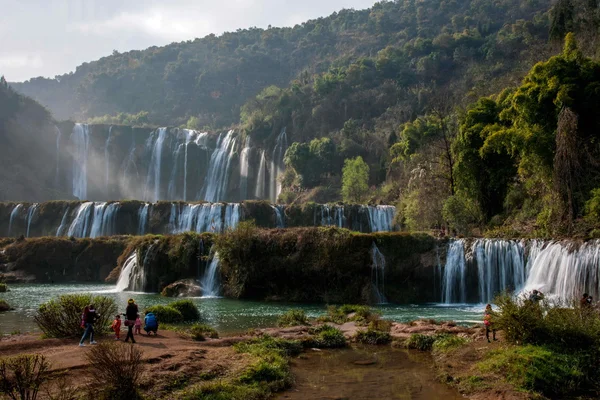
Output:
(79, 226)
(63, 223)
(378, 274)
(143, 219)
(454, 285)
(30, 214)
(279, 215)
(210, 280)
(381, 218)
(97, 219)
(261, 177)
(153, 180)
(13, 215)
(57, 172)
(244, 168)
(217, 177)
(206, 217)
(566, 270)
(277, 166)
(107, 162)
(500, 266)
(339, 216)
(125, 275)
(80, 138)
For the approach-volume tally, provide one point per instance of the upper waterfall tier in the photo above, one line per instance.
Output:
(104, 162)
(95, 219)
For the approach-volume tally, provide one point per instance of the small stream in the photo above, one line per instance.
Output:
(226, 315)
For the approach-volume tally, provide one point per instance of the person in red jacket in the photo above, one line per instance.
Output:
(116, 327)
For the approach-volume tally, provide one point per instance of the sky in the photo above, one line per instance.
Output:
(52, 37)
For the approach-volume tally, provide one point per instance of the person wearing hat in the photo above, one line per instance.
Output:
(131, 313)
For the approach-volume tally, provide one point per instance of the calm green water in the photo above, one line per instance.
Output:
(226, 315)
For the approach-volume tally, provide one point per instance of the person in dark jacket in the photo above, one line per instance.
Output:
(131, 313)
(150, 323)
(89, 318)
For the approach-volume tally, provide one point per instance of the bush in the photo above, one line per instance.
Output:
(188, 310)
(166, 314)
(326, 337)
(117, 369)
(420, 342)
(372, 336)
(292, 318)
(381, 325)
(200, 332)
(21, 377)
(61, 317)
(445, 343)
(362, 315)
(4, 306)
(266, 343)
(535, 368)
(225, 391)
(3, 288)
(592, 207)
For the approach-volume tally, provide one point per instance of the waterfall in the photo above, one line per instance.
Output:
(261, 177)
(210, 280)
(125, 275)
(143, 219)
(81, 141)
(63, 223)
(378, 274)
(244, 168)
(57, 172)
(325, 215)
(277, 165)
(454, 286)
(232, 216)
(30, 215)
(79, 226)
(153, 179)
(381, 218)
(339, 216)
(217, 177)
(205, 217)
(107, 162)
(279, 215)
(13, 214)
(97, 220)
(565, 271)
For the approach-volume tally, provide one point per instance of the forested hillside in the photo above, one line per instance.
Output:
(466, 114)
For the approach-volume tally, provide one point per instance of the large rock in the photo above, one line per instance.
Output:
(183, 288)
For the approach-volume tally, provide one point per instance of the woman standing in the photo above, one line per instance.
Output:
(489, 323)
(89, 317)
(131, 313)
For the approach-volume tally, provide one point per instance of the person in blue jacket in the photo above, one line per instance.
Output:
(150, 323)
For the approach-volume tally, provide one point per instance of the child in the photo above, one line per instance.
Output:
(116, 327)
(151, 324)
(138, 325)
(489, 325)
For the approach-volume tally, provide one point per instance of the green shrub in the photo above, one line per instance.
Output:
(117, 369)
(445, 343)
(225, 391)
(21, 377)
(268, 343)
(326, 337)
(61, 317)
(372, 336)
(292, 318)
(362, 315)
(4, 306)
(380, 325)
(420, 342)
(3, 288)
(535, 368)
(592, 207)
(166, 314)
(200, 332)
(188, 310)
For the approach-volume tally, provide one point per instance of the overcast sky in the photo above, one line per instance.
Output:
(52, 37)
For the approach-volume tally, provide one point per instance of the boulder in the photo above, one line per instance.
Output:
(183, 288)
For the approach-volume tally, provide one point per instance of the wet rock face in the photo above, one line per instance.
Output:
(183, 288)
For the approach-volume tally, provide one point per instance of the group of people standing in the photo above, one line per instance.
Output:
(132, 322)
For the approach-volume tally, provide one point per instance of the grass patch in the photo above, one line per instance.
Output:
(535, 368)
(292, 318)
(166, 314)
(200, 332)
(444, 343)
(420, 342)
(360, 314)
(188, 310)
(373, 336)
(325, 337)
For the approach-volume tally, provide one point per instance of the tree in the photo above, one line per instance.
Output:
(355, 180)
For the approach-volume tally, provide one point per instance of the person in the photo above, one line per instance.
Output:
(489, 323)
(536, 296)
(85, 311)
(90, 317)
(583, 302)
(131, 313)
(151, 323)
(116, 327)
(138, 325)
